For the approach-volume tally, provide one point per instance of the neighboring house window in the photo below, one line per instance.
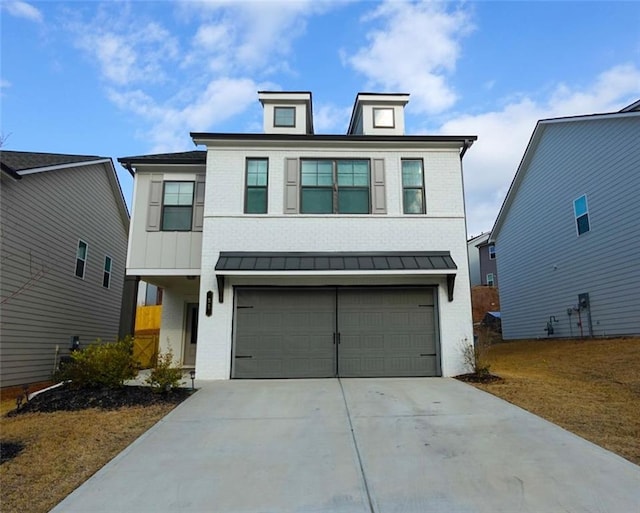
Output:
(257, 180)
(284, 116)
(492, 252)
(490, 279)
(581, 211)
(177, 206)
(81, 258)
(106, 275)
(413, 187)
(383, 118)
(335, 187)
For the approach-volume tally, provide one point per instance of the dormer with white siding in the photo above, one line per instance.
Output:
(378, 114)
(287, 112)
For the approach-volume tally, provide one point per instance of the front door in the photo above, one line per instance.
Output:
(191, 336)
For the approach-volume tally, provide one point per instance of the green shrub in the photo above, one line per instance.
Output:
(164, 376)
(108, 365)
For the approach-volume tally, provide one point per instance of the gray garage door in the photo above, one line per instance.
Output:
(328, 332)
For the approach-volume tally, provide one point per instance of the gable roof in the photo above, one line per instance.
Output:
(183, 157)
(632, 110)
(19, 162)
(16, 164)
(635, 106)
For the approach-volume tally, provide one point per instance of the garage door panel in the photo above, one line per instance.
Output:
(386, 332)
(288, 333)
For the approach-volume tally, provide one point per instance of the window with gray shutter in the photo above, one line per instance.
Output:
(291, 181)
(198, 204)
(154, 212)
(378, 196)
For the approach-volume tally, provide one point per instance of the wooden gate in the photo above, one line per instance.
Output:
(145, 348)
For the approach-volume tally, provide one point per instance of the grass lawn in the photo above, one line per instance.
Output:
(589, 387)
(63, 449)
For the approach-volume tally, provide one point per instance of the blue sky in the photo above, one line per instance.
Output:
(123, 78)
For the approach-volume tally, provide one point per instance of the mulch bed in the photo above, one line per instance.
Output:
(479, 378)
(66, 398)
(9, 450)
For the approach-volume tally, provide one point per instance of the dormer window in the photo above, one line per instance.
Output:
(284, 117)
(383, 118)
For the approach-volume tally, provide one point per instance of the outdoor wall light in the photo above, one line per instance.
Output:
(193, 377)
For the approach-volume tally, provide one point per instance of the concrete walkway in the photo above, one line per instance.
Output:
(357, 445)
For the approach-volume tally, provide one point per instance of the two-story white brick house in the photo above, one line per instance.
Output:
(288, 254)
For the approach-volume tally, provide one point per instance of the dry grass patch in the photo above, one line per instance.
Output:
(589, 387)
(63, 449)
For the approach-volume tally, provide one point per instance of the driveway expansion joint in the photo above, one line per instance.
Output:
(355, 444)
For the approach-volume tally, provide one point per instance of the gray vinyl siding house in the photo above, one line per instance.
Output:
(568, 233)
(51, 204)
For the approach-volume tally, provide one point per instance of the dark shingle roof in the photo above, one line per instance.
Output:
(14, 161)
(330, 261)
(183, 157)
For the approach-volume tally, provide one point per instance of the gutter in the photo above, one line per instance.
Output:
(467, 144)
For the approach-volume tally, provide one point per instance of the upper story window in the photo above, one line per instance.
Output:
(257, 178)
(335, 187)
(106, 275)
(383, 118)
(413, 186)
(581, 211)
(177, 206)
(81, 258)
(284, 117)
(492, 252)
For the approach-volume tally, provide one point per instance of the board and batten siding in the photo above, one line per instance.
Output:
(543, 264)
(43, 303)
(152, 250)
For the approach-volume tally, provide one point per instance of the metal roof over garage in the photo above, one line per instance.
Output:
(419, 262)
(330, 261)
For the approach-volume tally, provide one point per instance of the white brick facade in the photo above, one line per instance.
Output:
(227, 228)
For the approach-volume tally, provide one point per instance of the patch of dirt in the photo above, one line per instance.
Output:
(66, 398)
(9, 450)
(479, 378)
(484, 299)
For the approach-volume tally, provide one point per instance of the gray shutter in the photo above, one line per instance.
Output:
(378, 198)
(198, 204)
(291, 181)
(155, 204)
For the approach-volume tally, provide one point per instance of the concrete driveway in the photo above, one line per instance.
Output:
(357, 445)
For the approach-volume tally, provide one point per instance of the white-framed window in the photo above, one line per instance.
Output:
(284, 117)
(106, 274)
(490, 280)
(177, 206)
(81, 258)
(492, 252)
(413, 201)
(581, 212)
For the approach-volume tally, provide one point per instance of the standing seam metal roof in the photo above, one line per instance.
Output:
(329, 261)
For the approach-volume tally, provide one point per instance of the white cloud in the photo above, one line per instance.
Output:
(171, 122)
(4, 84)
(503, 135)
(24, 10)
(239, 36)
(128, 56)
(414, 51)
(331, 119)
